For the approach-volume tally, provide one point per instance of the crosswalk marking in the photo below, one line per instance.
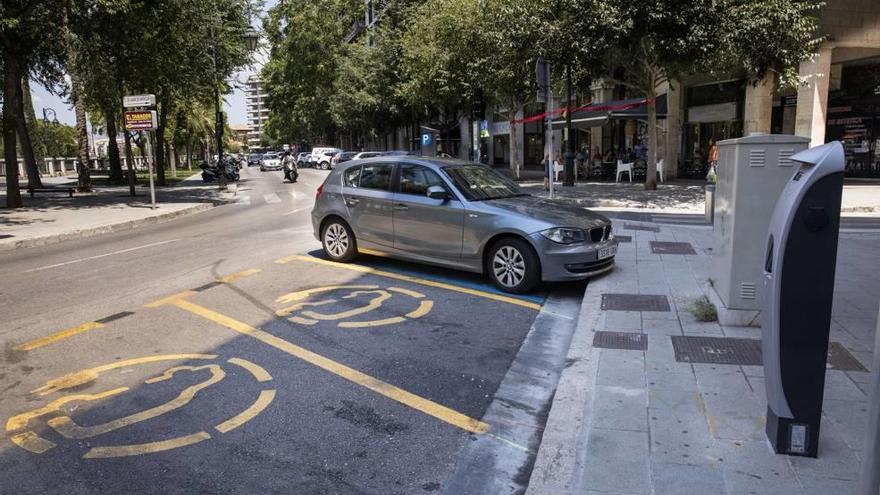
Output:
(244, 199)
(294, 195)
(272, 198)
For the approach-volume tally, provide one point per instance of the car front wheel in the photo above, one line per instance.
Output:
(513, 266)
(338, 241)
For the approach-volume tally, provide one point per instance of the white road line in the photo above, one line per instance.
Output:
(56, 265)
(294, 194)
(296, 211)
(244, 199)
(272, 198)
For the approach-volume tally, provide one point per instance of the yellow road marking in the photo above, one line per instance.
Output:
(411, 293)
(55, 337)
(21, 420)
(266, 397)
(85, 376)
(423, 309)
(145, 448)
(228, 279)
(260, 374)
(415, 280)
(69, 429)
(426, 406)
(170, 299)
(31, 442)
(372, 323)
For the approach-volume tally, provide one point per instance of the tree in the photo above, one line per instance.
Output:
(666, 39)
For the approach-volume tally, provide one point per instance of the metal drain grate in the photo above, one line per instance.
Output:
(623, 238)
(634, 302)
(621, 340)
(840, 359)
(717, 350)
(649, 228)
(663, 247)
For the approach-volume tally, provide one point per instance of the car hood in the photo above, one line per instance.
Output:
(557, 213)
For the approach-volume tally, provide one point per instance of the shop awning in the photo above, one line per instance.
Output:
(598, 114)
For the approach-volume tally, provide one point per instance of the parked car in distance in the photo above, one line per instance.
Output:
(367, 154)
(271, 161)
(318, 155)
(400, 153)
(254, 159)
(459, 215)
(302, 158)
(342, 158)
(324, 159)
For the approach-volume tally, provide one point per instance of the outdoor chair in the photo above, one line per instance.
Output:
(624, 167)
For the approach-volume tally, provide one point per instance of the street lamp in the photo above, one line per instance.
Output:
(250, 37)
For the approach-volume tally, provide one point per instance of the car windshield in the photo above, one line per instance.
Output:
(478, 182)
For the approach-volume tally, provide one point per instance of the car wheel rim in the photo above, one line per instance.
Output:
(509, 266)
(336, 240)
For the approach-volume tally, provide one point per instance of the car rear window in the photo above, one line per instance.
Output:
(351, 177)
(376, 176)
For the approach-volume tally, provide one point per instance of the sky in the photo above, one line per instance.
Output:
(233, 104)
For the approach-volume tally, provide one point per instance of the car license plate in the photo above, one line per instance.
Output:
(607, 252)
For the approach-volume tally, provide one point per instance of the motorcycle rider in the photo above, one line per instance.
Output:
(288, 163)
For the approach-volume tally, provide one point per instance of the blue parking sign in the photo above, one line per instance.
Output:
(427, 139)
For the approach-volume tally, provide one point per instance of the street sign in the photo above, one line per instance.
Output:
(138, 101)
(140, 120)
(427, 139)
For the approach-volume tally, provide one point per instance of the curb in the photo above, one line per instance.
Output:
(560, 458)
(105, 229)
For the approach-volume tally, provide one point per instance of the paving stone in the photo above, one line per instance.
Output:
(621, 408)
(735, 415)
(673, 479)
(827, 486)
(683, 380)
(617, 461)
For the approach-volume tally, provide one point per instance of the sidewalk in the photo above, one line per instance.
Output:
(53, 218)
(682, 196)
(641, 422)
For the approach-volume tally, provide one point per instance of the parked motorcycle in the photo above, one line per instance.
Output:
(211, 172)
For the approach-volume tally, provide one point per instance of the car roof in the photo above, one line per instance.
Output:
(431, 162)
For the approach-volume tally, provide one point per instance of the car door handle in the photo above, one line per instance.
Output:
(400, 207)
(352, 201)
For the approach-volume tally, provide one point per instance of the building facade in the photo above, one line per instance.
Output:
(257, 111)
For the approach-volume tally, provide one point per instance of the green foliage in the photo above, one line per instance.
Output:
(59, 139)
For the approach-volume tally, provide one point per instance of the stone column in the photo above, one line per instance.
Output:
(812, 105)
(759, 105)
(602, 91)
(674, 123)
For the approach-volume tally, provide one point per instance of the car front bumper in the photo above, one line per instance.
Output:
(561, 262)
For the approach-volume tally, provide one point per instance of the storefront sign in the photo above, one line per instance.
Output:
(140, 120)
(721, 112)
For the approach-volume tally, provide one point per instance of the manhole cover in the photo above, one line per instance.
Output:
(621, 340)
(649, 228)
(663, 247)
(623, 238)
(840, 359)
(634, 302)
(717, 350)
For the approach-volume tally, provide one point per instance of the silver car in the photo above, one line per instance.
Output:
(460, 215)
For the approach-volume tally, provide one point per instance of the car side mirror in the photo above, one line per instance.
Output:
(437, 192)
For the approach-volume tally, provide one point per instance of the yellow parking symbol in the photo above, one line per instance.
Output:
(19, 427)
(309, 305)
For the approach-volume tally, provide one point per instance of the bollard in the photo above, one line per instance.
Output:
(870, 479)
(710, 203)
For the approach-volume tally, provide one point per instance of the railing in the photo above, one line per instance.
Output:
(63, 165)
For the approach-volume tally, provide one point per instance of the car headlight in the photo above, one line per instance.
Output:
(564, 235)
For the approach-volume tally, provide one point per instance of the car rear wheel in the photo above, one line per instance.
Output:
(325, 166)
(513, 266)
(338, 241)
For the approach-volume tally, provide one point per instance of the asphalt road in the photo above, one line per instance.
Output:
(219, 353)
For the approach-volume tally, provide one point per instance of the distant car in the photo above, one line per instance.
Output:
(342, 158)
(302, 159)
(324, 160)
(367, 154)
(271, 161)
(320, 159)
(460, 215)
(254, 159)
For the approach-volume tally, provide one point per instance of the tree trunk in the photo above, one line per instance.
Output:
(189, 146)
(82, 135)
(11, 82)
(159, 152)
(129, 157)
(24, 137)
(113, 149)
(651, 174)
(514, 156)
